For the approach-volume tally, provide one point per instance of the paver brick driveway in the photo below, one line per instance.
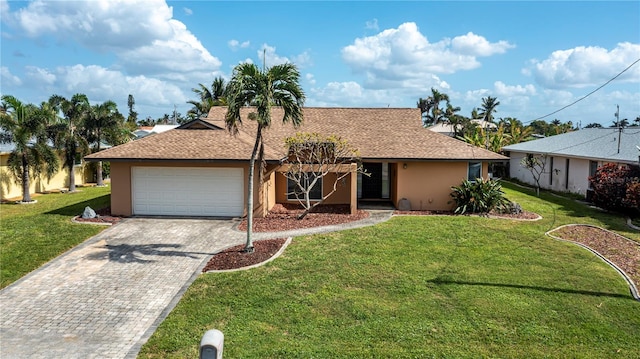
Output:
(104, 298)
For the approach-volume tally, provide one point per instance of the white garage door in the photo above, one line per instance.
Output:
(180, 191)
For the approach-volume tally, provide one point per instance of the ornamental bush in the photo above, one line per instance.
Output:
(478, 197)
(617, 188)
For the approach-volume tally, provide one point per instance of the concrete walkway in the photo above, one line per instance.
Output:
(105, 297)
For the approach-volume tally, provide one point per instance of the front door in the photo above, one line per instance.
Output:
(372, 184)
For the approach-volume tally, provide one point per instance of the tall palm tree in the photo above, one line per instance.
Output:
(437, 114)
(66, 133)
(489, 105)
(453, 119)
(262, 89)
(207, 98)
(25, 125)
(102, 120)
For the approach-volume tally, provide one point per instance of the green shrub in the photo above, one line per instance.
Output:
(479, 197)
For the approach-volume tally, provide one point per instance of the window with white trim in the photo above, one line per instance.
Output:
(474, 171)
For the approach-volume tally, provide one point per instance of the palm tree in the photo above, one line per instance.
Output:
(489, 105)
(453, 119)
(66, 133)
(275, 86)
(103, 121)
(437, 114)
(208, 98)
(25, 125)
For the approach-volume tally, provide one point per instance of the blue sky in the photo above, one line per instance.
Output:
(535, 57)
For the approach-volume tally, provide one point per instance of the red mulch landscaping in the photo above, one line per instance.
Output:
(623, 252)
(235, 257)
(283, 217)
(104, 216)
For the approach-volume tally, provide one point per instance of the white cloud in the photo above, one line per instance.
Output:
(143, 34)
(351, 94)
(187, 11)
(310, 79)
(235, 44)
(475, 45)
(272, 58)
(586, 66)
(40, 75)
(9, 79)
(394, 56)
(372, 25)
(503, 90)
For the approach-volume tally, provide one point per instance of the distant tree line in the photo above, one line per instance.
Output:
(482, 129)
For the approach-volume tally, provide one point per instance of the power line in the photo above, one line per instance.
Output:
(587, 95)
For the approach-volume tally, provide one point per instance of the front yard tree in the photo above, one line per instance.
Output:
(312, 157)
(25, 125)
(536, 165)
(66, 133)
(275, 86)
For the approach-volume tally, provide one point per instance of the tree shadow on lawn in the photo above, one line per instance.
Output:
(77, 208)
(438, 281)
(127, 253)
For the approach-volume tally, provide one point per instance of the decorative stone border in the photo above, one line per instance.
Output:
(33, 201)
(278, 253)
(632, 286)
(631, 225)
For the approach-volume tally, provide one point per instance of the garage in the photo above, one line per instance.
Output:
(187, 191)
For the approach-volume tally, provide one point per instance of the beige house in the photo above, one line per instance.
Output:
(199, 169)
(10, 190)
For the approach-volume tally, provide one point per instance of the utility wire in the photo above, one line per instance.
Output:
(587, 95)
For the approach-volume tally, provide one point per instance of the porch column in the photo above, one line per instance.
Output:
(354, 188)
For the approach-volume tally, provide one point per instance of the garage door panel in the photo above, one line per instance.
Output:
(187, 191)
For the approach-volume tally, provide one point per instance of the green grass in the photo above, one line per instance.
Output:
(33, 234)
(419, 287)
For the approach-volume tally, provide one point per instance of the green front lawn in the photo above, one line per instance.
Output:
(33, 234)
(418, 287)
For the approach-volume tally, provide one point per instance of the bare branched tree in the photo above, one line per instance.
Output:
(311, 158)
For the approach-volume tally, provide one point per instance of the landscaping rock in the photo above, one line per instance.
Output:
(88, 213)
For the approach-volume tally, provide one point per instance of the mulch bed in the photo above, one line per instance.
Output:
(623, 252)
(104, 216)
(234, 257)
(283, 217)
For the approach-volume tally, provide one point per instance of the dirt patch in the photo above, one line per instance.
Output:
(235, 257)
(283, 217)
(621, 251)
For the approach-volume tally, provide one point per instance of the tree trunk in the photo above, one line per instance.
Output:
(248, 248)
(26, 196)
(99, 181)
(72, 179)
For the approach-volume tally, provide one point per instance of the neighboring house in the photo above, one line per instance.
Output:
(10, 190)
(572, 157)
(447, 129)
(144, 131)
(199, 169)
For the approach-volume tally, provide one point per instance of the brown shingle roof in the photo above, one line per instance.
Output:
(379, 133)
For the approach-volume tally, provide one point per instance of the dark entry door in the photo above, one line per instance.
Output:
(372, 185)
